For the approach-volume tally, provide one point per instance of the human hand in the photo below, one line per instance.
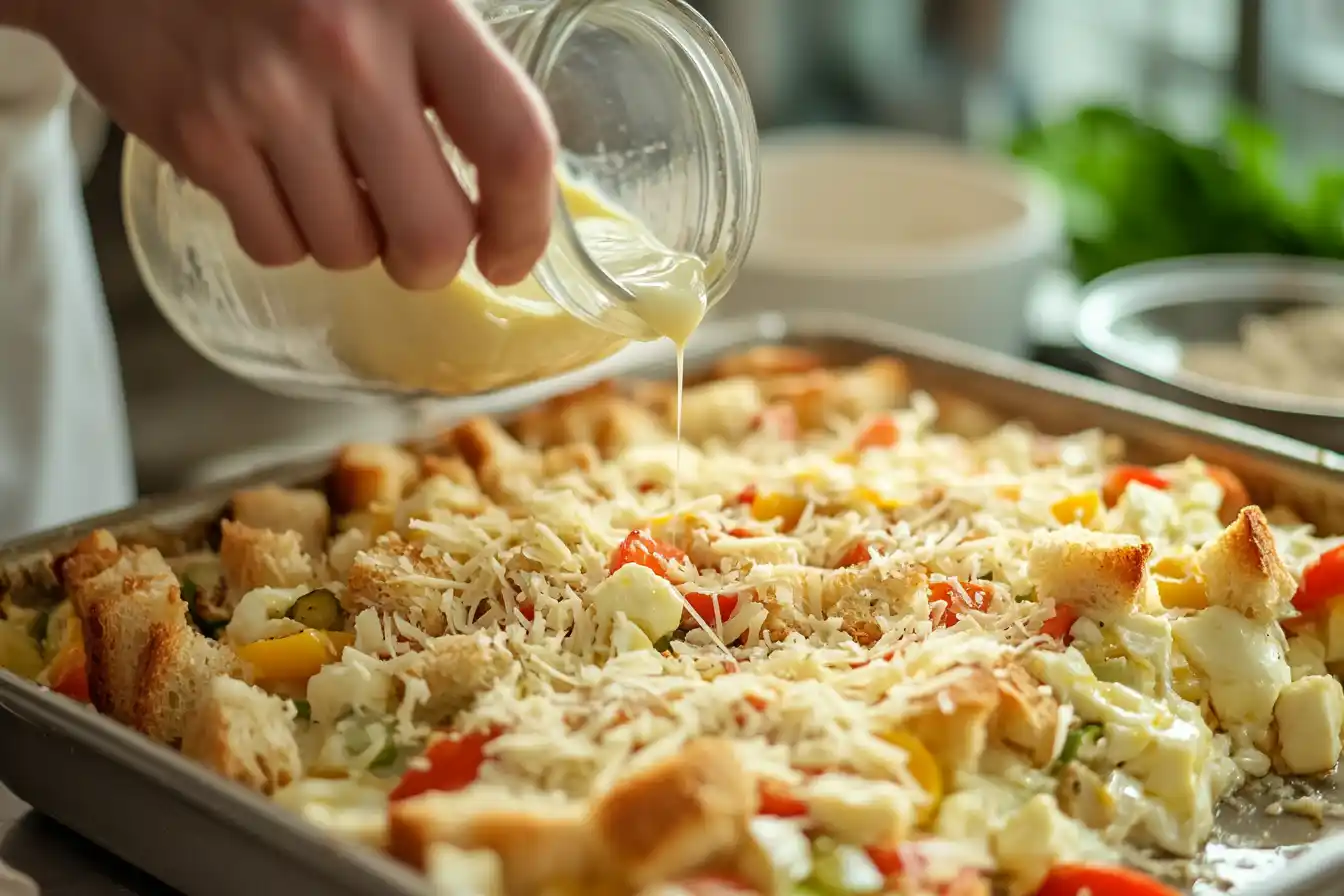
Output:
(281, 108)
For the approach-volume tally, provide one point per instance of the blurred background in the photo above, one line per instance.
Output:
(1221, 119)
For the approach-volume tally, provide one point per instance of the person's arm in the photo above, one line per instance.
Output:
(306, 119)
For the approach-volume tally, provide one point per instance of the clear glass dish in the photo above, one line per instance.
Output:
(651, 110)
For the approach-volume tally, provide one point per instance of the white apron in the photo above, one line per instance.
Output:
(64, 450)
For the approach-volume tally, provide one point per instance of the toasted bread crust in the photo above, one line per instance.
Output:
(858, 595)
(261, 558)
(1028, 714)
(952, 717)
(1098, 579)
(364, 475)
(1242, 568)
(270, 507)
(767, 361)
(536, 848)
(382, 577)
(244, 734)
(676, 817)
(177, 665)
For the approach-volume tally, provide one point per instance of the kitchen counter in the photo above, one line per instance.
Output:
(62, 862)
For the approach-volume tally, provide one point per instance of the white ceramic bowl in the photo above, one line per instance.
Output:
(900, 228)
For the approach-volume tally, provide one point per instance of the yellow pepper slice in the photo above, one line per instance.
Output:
(1080, 508)
(1179, 584)
(373, 522)
(1188, 594)
(923, 768)
(297, 656)
(865, 495)
(786, 508)
(1186, 681)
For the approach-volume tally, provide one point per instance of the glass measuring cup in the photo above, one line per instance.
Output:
(651, 111)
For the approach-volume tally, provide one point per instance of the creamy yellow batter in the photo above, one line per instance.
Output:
(472, 336)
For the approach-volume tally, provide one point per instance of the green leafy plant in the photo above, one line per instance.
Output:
(1134, 192)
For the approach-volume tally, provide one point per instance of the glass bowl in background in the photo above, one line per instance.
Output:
(650, 109)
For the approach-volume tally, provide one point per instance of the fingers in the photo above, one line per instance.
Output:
(494, 115)
(427, 220)
(328, 206)
(298, 136)
(240, 179)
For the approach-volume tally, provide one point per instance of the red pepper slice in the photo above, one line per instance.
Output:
(976, 597)
(704, 604)
(879, 433)
(1322, 581)
(1120, 477)
(858, 555)
(643, 549)
(453, 764)
(890, 861)
(69, 674)
(1100, 880)
(776, 801)
(1059, 625)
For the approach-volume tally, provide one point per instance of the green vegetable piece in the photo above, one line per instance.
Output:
(319, 609)
(39, 629)
(302, 709)
(1089, 733)
(386, 758)
(357, 741)
(191, 593)
(664, 644)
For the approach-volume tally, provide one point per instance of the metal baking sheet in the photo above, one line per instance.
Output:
(207, 837)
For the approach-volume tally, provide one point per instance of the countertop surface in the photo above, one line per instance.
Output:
(62, 862)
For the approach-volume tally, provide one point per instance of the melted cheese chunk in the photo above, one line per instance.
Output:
(1245, 663)
(1163, 744)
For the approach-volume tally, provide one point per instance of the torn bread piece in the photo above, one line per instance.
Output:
(454, 469)
(394, 576)
(722, 409)
(371, 474)
(176, 668)
(820, 397)
(951, 716)
(119, 606)
(500, 463)
(857, 596)
(277, 509)
(464, 872)
(93, 554)
(540, 843)
(261, 558)
(1101, 577)
(456, 669)
(569, 459)
(1028, 714)
(565, 418)
(244, 734)
(679, 816)
(1243, 571)
(597, 416)
(767, 361)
